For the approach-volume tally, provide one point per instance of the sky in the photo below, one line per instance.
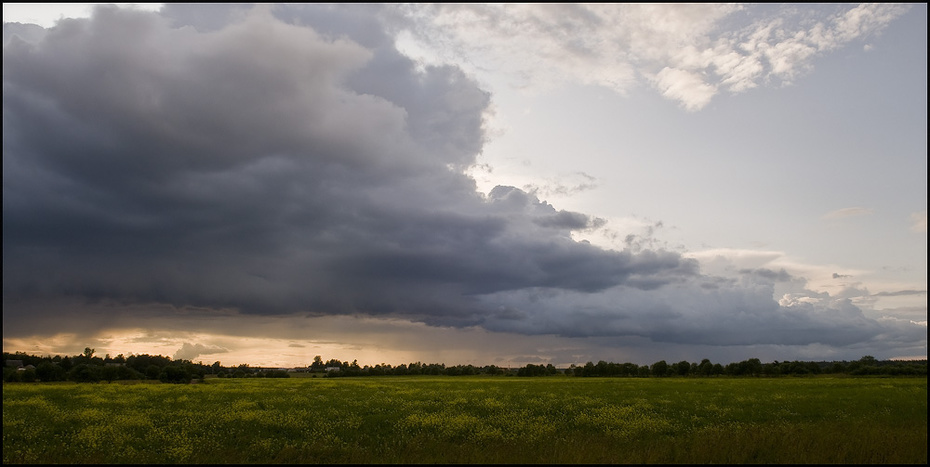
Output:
(486, 184)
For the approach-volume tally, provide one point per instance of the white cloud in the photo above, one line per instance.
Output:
(47, 15)
(686, 87)
(848, 212)
(919, 222)
(679, 48)
(865, 19)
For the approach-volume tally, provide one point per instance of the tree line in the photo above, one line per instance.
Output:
(866, 365)
(86, 367)
(334, 368)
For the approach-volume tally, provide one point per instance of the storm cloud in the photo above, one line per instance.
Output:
(288, 160)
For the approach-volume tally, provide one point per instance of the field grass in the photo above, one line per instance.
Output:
(470, 420)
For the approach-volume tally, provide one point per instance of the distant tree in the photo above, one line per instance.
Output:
(753, 367)
(109, 373)
(434, 369)
(48, 371)
(175, 374)
(629, 369)
(706, 368)
(868, 361)
(142, 363)
(589, 369)
(732, 369)
(659, 368)
(125, 373)
(536, 370)
(28, 375)
(772, 369)
(11, 375)
(378, 370)
(152, 371)
(493, 370)
(85, 373)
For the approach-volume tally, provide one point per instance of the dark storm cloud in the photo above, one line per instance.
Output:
(264, 167)
(27, 32)
(291, 160)
(565, 220)
(728, 315)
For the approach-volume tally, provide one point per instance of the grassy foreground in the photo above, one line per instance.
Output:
(470, 420)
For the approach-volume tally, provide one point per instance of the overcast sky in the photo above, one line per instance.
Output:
(484, 184)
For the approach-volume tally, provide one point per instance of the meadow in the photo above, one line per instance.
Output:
(480, 419)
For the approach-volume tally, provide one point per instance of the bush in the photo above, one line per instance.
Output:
(28, 375)
(48, 371)
(175, 374)
(11, 375)
(84, 373)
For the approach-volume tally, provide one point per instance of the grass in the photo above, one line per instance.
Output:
(470, 420)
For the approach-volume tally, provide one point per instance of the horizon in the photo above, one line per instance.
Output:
(505, 184)
(394, 365)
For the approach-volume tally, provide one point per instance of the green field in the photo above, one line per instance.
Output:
(470, 420)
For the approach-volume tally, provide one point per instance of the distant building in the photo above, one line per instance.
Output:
(333, 368)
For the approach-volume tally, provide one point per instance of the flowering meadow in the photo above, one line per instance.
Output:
(481, 419)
